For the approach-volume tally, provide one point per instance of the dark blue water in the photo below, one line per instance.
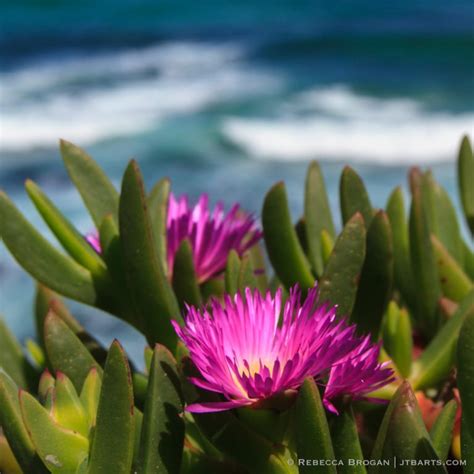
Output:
(227, 97)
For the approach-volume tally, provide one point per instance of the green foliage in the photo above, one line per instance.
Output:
(313, 440)
(341, 276)
(406, 278)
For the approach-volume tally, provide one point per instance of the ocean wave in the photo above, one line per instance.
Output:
(335, 123)
(89, 99)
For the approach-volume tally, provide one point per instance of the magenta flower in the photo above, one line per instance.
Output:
(211, 235)
(94, 241)
(243, 352)
(358, 374)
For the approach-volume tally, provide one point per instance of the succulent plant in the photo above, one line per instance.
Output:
(247, 370)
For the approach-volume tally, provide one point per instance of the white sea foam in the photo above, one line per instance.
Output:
(72, 99)
(336, 123)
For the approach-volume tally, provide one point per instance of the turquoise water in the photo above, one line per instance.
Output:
(227, 98)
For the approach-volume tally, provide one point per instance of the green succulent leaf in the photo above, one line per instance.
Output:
(284, 249)
(14, 429)
(398, 338)
(465, 366)
(403, 435)
(442, 217)
(258, 264)
(112, 449)
(317, 214)
(438, 358)
(43, 261)
(185, 283)
(424, 268)
(345, 441)
(465, 180)
(155, 302)
(441, 433)
(313, 440)
(90, 395)
(66, 353)
(467, 444)
(340, 279)
(158, 205)
(231, 274)
(354, 197)
(327, 245)
(376, 278)
(12, 359)
(401, 246)
(72, 241)
(455, 284)
(68, 410)
(468, 260)
(95, 188)
(46, 300)
(162, 437)
(60, 449)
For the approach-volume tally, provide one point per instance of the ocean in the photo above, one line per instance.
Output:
(226, 98)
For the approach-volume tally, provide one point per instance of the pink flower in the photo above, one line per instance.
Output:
(243, 352)
(358, 374)
(94, 241)
(211, 235)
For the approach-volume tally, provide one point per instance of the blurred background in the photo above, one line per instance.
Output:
(226, 98)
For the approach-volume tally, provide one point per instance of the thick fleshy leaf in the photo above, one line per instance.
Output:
(47, 300)
(158, 205)
(155, 302)
(250, 449)
(61, 450)
(69, 237)
(455, 284)
(441, 433)
(465, 369)
(231, 275)
(345, 441)
(468, 260)
(68, 410)
(376, 279)
(8, 463)
(317, 215)
(467, 444)
(438, 358)
(401, 246)
(112, 255)
(14, 429)
(327, 245)
(112, 449)
(90, 395)
(354, 197)
(339, 281)
(228, 434)
(465, 180)
(403, 435)
(12, 359)
(162, 438)
(66, 353)
(398, 338)
(313, 440)
(43, 261)
(441, 215)
(284, 249)
(95, 188)
(424, 268)
(258, 264)
(239, 274)
(185, 283)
